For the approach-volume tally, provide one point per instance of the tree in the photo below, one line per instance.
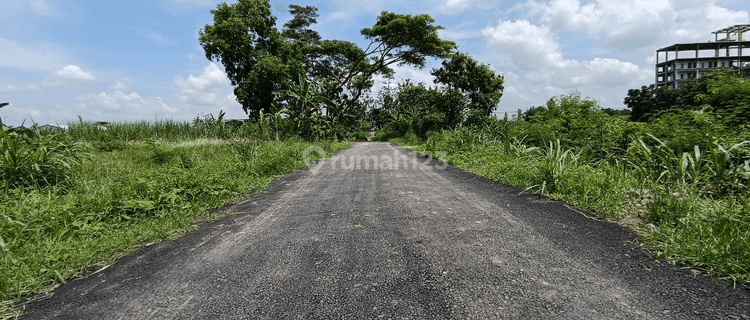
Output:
(482, 86)
(729, 96)
(641, 103)
(616, 112)
(260, 60)
(298, 28)
(304, 101)
(398, 39)
(647, 103)
(255, 56)
(723, 90)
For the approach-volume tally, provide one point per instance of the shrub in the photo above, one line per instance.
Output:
(28, 158)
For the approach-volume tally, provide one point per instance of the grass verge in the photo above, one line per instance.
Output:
(116, 199)
(675, 221)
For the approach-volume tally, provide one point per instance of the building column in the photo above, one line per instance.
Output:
(656, 71)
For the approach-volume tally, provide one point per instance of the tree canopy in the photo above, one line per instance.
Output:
(482, 86)
(723, 93)
(257, 60)
(260, 60)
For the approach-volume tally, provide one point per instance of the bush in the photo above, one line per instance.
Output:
(28, 158)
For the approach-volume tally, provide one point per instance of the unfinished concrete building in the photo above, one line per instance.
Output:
(678, 63)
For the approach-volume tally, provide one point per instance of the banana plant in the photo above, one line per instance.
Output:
(303, 100)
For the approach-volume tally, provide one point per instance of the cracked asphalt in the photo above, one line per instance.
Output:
(379, 232)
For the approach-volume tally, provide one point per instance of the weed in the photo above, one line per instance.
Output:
(30, 159)
(245, 151)
(555, 162)
(115, 199)
(695, 196)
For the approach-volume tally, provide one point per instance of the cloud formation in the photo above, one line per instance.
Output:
(120, 105)
(454, 6)
(35, 57)
(637, 24)
(202, 89)
(208, 92)
(543, 69)
(70, 74)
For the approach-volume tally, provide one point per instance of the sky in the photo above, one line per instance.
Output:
(140, 60)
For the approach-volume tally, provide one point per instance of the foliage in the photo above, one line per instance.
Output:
(681, 178)
(293, 63)
(578, 123)
(113, 200)
(555, 162)
(723, 94)
(481, 86)
(395, 39)
(298, 28)
(416, 109)
(304, 104)
(420, 110)
(712, 171)
(728, 94)
(255, 56)
(28, 158)
(709, 235)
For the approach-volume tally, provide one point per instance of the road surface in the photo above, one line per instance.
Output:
(378, 232)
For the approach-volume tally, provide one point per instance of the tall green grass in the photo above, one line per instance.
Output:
(30, 158)
(156, 182)
(162, 130)
(690, 203)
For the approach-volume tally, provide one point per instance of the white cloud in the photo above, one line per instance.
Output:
(208, 92)
(637, 24)
(605, 78)
(69, 74)
(610, 28)
(119, 105)
(121, 84)
(203, 89)
(544, 71)
(23, 7)
(39, 57)
(43, 8)
(401, 74)
(454, 6)
(624, 25)
(14, 88)
(341, 15)
(455, 35)
(160, 39)
(529, 46)
(698, 19)
(8, 88)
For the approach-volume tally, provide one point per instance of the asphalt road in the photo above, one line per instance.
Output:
(403, 238)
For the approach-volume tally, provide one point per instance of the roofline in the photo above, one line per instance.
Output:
(742, 28)
(708, 45)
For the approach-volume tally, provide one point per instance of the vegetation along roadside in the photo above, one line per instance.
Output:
(677, 175)
(674, 165)
(75, 199)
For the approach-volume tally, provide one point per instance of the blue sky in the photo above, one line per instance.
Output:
(134, 60)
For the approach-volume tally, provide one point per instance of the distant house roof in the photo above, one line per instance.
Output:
(58, 126)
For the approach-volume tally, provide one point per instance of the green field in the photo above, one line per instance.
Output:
(680, 181)
(75, 200)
